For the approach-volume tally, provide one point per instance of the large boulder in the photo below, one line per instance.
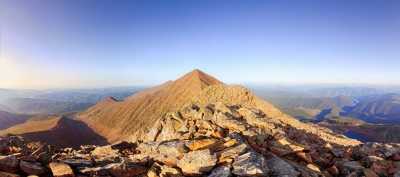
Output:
(197, 162)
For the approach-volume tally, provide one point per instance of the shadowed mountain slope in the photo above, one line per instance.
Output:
(57, 131)
(8, 119)
(378, 109)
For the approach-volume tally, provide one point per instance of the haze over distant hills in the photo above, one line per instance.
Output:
(57, 101)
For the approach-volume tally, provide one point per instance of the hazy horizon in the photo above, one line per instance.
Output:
(48, 44)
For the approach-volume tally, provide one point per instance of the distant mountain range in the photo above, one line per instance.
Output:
(57, 101)
(362, 113)
(377, 108)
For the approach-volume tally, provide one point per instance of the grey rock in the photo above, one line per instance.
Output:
(250, 164)
(280, 167)
(221, 171)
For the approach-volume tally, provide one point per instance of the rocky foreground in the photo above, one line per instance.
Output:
(216, 140)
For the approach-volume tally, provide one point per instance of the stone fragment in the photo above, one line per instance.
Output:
(232, 152)
(224, 121)
(124, 169)
(369, 160)
(313, 167)
(351, 166)
(197, 162)
(280, 167)
(61, 170)
(78, 162)
(333, 170)
(170, 152)
(212, 144)
(94, 171)
(250, 164)
(105, 154)
(221, 171)
(170, 172)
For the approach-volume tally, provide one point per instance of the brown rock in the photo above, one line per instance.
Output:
(369, 173)
(232, 152)
(211, 144)
(105, 154)
(5, 174)
(170, 152)
(280, 167)
(125, 169)
(396, 157)
(333, 170)
(304, 156)
(61, 170)
(170, 172)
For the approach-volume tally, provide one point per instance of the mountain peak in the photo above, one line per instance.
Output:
(202, 77)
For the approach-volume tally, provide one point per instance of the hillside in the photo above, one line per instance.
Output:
(8, 119)
(55, 130)
(377, 109)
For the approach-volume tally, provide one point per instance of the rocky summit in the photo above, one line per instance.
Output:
(213, 140)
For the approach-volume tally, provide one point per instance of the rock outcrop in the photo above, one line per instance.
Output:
(214, 140)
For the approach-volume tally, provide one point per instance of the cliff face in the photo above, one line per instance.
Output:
(214, 140)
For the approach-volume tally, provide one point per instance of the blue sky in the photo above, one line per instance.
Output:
(88, 43)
